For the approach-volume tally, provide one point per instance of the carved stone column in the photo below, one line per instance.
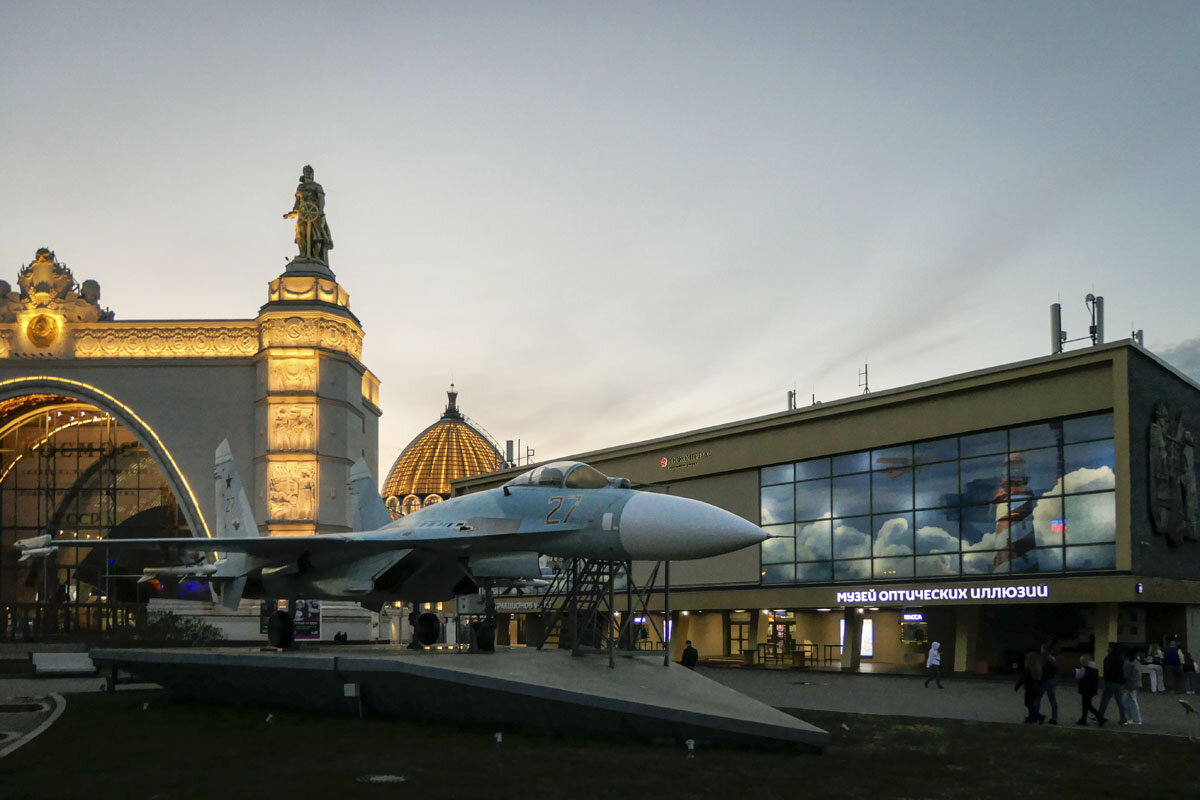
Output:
(317, 409)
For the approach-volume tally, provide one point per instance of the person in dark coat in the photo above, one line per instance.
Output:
(1049, 682)
(1089, 683)
(1031, 679)
(690, 656)
(1114, 678)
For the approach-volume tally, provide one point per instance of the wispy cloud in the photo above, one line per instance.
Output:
(1184, 356)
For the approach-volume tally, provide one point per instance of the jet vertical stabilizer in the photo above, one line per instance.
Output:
(367, 510)
(234, 520)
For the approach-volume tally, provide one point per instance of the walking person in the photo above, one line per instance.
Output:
(1114, 678)
(1129, 689)
(1172, 661)
(933, 664)
(1155, 667)
(1031, 679)
(1049, 682)
(1189, 673)
(690, 656)
(1088, 678)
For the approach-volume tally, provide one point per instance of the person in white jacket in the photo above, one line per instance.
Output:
(1155, 669)
(933, 663)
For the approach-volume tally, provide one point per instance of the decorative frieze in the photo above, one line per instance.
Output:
(324, 332)
(189, 340)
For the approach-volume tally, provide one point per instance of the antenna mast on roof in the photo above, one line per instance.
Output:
(863, 379)
(1095, 334)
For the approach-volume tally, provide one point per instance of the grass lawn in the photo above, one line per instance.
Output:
(106, 746)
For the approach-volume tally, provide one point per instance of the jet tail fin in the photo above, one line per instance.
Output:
(234, 519)
(368, 512)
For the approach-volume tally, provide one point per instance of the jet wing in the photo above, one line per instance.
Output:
(476, 533)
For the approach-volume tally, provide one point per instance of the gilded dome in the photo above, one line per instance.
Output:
(449, 449)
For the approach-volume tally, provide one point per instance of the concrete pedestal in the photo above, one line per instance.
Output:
(517, 689)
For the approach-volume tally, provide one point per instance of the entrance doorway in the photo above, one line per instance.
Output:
(71, 470)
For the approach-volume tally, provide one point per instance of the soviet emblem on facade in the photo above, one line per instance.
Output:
(47, 286)
(1174, 507)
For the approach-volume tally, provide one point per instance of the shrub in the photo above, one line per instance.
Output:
(165, 626)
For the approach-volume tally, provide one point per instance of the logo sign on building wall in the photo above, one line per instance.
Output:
(685, 460)
(924, 594)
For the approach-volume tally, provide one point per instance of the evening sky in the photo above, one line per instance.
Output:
(607, 222)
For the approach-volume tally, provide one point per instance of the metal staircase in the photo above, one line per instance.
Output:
(582, 609)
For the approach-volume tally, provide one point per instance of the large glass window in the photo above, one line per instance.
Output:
(812, 499)
(852, 537)
(70, 469)
(812, 541)
(1034, 498)
(852, 495)
(777, 504)
(892, 490)
(936, 485)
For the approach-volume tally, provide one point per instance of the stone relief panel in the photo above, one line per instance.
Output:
(292, 375)
(1174, 506)
(330, 334)
(292, 490)
(293, 427)
(165, 341)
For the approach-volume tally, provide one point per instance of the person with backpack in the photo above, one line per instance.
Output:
(1088, 678)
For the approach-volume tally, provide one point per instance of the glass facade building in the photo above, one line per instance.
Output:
(1053, 498)
(1034, 498)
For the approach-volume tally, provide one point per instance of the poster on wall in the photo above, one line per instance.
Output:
(308, 620)
(868, 637)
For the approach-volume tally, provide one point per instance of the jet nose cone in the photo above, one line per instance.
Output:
(658, 527)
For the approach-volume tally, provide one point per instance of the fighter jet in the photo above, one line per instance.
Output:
(564, 509)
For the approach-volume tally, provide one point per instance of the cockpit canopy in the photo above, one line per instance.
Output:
(565, 475)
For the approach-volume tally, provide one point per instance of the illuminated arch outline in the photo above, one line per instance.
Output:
(127, 417)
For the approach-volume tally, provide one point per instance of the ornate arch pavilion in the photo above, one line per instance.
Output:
(108, 428)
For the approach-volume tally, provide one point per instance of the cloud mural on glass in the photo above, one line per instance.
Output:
(1037, 498)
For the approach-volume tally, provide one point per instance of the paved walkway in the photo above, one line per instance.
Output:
(967, 698)
(43, 687)
(899, 695)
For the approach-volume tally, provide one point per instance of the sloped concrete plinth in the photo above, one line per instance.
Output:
(545, 691)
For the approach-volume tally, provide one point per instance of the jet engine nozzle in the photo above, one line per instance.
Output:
(657, 527)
